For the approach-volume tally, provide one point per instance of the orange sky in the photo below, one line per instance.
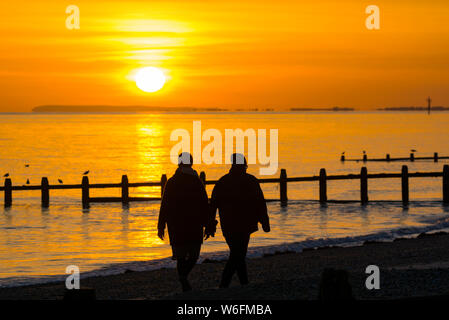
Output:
(237, 54)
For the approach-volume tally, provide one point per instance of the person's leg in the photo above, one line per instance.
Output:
(230, 266)
(242, 248)
(187, 259)
(183, 272)
(182, 265)
(193, 254)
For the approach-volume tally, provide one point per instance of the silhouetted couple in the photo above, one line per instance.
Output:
(190, 218)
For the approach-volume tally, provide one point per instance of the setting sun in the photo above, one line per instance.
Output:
(150, 79)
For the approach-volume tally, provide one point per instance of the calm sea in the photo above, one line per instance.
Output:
(108, 238)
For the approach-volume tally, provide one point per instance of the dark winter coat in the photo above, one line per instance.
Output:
(184, 208)
(240, 202)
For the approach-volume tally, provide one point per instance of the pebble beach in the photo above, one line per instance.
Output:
(409, 268)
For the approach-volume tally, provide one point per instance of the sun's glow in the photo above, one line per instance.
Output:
(150, 79)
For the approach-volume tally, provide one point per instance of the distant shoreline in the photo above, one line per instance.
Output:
(436, 108)
(117, 109)
(155, 109)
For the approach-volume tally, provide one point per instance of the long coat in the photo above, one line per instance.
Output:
(240, 203)
(184, 208)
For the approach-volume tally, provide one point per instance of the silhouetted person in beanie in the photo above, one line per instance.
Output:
(185, 210)
(241, 206)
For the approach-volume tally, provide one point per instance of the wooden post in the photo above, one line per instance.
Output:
(85, 192)
(125, 189)
(446, 184)
(412, 157)
(405, 188)
(45, 197)
(342, 158)
(8, 192)
(365, 158)
(283, 187)
(203, 177)
(323, 186)
(435, 157)
(388, 157)
(163, 182)
(364, 185)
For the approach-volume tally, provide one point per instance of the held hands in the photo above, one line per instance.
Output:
(161, 234)
(207, 235)
(266, 227)
(210, 230)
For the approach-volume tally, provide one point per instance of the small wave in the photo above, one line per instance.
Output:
(22, 227)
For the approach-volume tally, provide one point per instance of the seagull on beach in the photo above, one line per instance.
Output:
(6, 175)
(87, 172)
(60, 181)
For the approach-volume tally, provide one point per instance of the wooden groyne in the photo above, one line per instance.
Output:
(283, 181)
(387, 158)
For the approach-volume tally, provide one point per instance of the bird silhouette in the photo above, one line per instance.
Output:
(27, 165)
(364, 152)
(28, 181)
(6, 175)
(86, 172)
(413, 150)
(343, 153)
(60, 181)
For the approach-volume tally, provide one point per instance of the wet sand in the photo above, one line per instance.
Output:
(416, 267)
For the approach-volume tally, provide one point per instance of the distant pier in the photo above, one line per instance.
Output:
(388, 158)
